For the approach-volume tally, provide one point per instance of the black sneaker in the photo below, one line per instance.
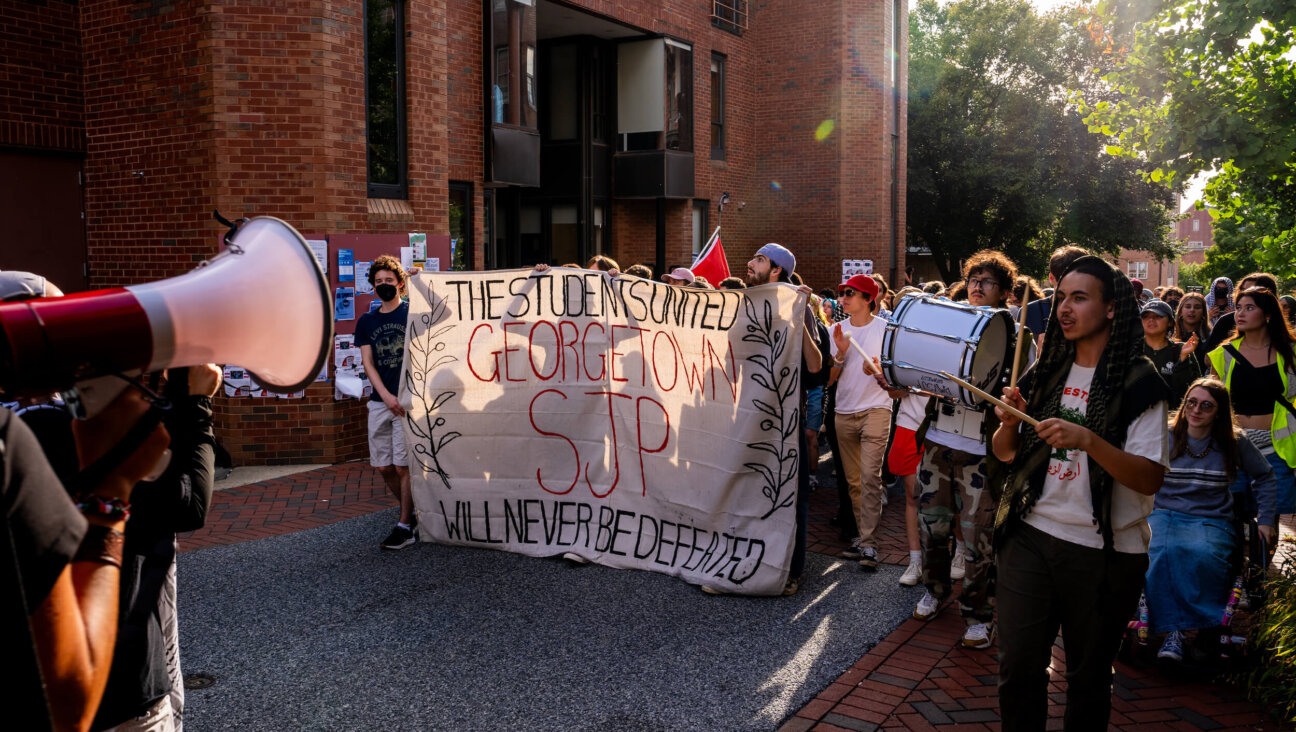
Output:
(868, 559)
(399, 538)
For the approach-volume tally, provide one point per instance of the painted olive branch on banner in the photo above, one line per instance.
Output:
(779, 421)
(425, 356)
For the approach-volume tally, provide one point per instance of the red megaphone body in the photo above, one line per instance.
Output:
(263, 304)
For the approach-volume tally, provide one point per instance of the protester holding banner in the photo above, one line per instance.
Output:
(956, 482)
(381, 337)
(775, 263)
(863, 410)
(1071, 529)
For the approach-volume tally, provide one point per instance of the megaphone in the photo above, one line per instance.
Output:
(263, 304)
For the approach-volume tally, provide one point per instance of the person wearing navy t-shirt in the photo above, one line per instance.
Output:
(381, 337)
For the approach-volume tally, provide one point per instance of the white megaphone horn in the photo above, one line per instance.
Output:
(263, 304)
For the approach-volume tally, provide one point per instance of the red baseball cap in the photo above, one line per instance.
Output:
(861, 283)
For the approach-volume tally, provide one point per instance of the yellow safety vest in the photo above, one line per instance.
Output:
(1283, 425)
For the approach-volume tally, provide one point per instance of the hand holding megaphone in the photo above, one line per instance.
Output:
(263, 303)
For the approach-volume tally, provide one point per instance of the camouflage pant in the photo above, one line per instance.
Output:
(953, 483)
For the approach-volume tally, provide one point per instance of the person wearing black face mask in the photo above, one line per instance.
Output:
(380, 334)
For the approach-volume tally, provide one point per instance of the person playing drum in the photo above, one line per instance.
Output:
(956, 480)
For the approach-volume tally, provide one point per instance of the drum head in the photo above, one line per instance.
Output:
(992, 351)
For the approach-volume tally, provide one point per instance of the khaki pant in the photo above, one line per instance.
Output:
(862, 438)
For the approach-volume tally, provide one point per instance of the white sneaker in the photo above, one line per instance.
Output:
(927, 607)
(575, 558)
(958, 567)
(978, 636)
(912, 575)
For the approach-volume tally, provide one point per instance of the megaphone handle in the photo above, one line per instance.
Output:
(100, 469)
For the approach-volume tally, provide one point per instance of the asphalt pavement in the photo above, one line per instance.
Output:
(321, 630)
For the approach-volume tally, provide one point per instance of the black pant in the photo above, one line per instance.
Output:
(845, 509)
(1045, 583)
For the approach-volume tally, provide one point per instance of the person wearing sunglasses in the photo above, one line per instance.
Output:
(863, 410)
(1190, 574)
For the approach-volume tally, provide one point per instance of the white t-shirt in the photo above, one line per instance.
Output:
(1065, 508)
(856, 390)
(913, 410)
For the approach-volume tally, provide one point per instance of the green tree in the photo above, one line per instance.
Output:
(999, 157)
(1208, 85)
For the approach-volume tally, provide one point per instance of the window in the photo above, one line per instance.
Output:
(717, 107)
(512, 35)
(700, 233)
(1196, 224)
(1138, 270)
(598, 244)
(730, 15)
(461, 226)
(679, 96)
(1196, 244)
(385, 98)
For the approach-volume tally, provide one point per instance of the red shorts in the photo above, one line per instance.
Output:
(905, 454)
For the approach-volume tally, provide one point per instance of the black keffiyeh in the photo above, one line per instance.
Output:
(1125, 385)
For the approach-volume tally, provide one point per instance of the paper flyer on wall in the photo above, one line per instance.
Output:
(852, 267)
(362, 286)
(323, 374)
(346, 354)
(237, 382)
(344, 304)
(351, 383)
(432, 265)
(319, 247)
(418, 243)
(346, 265)
(292, 395)
(407, 258)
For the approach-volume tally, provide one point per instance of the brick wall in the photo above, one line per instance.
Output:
(257, 107)
(41, 104)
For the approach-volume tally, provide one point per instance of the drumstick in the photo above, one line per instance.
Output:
(868, 360)
(997, 402)
(1012, 383)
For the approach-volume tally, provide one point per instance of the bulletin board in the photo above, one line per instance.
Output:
(366, 248)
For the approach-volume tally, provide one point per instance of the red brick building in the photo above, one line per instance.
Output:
(1194, 232)
(525, 130)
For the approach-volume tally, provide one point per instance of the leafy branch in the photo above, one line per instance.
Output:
(425, 356)
(779, 422)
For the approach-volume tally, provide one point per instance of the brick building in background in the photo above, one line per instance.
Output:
(1195, 232)
(526, 130)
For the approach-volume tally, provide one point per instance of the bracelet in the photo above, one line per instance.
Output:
(839, 361)
(103, 545)
(114, 509)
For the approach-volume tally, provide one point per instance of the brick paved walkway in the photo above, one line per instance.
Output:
(917, 678)
(292, 503)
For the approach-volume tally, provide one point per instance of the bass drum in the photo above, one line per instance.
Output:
(928, 335)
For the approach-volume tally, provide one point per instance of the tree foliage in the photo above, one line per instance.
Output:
(999, 157)
(1209, 85)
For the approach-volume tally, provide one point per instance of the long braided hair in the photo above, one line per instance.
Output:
(1120, 391)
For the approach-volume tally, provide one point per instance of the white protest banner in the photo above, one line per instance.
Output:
(633, 423)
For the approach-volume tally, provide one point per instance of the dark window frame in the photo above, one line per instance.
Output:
(730, 15)
(718, 121)
(400, 189)
(467, 223)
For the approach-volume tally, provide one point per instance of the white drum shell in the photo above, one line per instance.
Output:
(928, 335)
